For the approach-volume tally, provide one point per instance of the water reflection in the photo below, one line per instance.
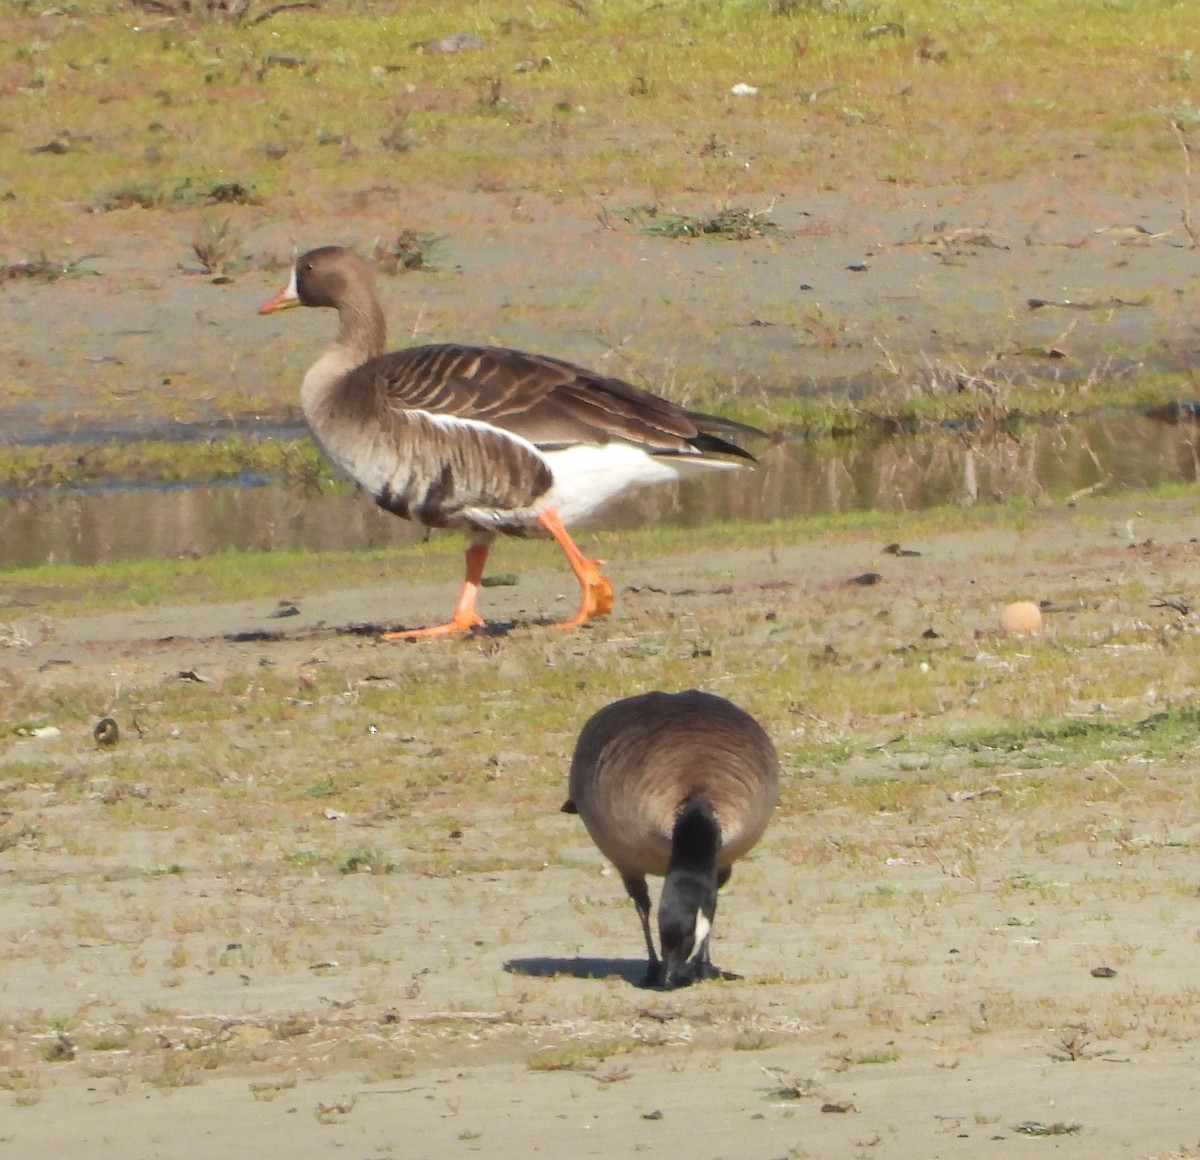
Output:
(1117, 449)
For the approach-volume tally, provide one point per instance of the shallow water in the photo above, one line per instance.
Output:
(1110, 450)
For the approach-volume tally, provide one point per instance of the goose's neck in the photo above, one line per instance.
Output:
(362, 329)
(689, 897)
(361, 335)
(696, 839)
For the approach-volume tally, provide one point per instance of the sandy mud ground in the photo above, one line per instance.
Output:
(308, 907)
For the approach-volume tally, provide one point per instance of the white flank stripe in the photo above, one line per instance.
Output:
(588, 477)
(456, 423)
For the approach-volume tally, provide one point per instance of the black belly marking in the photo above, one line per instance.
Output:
(432, 509)
(391, 502)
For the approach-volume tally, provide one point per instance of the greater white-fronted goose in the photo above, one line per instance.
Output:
(484, 439)
(681, 785)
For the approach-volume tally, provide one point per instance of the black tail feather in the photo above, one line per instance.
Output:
(714, 444)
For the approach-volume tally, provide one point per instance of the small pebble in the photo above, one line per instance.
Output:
(1021, 618)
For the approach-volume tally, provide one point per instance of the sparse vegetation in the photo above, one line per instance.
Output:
(44, 269)
(331, 827)
(790, 1087)
(578, 1056)
(61, 466)
(1037, 1128)
(739, 225)
(186, 193)
(216, 246)
(406, 250)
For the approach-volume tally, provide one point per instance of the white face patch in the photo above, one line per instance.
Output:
(703, 926)
(291, 294)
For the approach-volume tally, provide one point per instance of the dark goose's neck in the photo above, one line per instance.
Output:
(696, 838)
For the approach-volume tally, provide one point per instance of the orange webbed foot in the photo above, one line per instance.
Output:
(600, 593)
(455, 627)
(596, 598)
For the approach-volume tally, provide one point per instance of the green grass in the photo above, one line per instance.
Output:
(31, 467)
(71, 589)
(833, 716)
(579, 1056)
(314, 102)
(68, 589)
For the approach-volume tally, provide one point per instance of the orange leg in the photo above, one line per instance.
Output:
(464, 618)
(596, 594)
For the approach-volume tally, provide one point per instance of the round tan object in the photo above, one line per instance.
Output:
(1022, 618)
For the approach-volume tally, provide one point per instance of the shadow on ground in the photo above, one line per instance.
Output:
(631, 970)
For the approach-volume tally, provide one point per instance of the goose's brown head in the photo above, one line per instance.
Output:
(326, 276)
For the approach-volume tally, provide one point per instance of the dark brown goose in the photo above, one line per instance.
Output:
(680, 785)
(484, 439)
